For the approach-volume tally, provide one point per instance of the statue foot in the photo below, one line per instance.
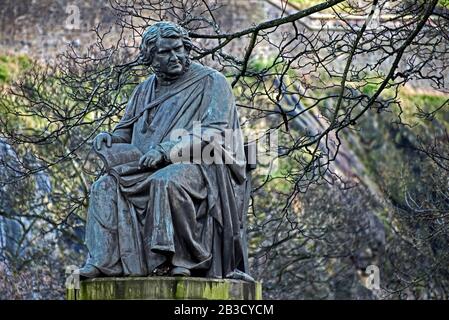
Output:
(162, 270)
(240, 275)
(180, 272)
(89, 271)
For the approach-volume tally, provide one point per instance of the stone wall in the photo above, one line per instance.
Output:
(43, 28)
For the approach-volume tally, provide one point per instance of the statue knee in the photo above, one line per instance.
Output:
(164, 181)
(105, 183)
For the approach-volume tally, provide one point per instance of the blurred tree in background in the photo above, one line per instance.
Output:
(355, 92)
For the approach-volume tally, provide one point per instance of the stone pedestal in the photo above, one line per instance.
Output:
(144, 288)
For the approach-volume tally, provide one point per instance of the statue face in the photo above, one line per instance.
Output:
(170, 57)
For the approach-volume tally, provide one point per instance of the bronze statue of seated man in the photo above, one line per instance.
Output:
(153, 214)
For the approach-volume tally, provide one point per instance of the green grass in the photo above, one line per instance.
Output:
(412, 102)
(4, 74)
(12, 66)
(305, 3)
(443, 3)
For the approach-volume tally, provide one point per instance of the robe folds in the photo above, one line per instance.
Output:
(190, 212)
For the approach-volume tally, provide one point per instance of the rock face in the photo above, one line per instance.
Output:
(43, 29)
(148, 288)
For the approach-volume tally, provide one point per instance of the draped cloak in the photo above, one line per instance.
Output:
(189, 211)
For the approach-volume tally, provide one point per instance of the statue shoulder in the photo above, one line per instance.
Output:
(216, 78)
(212, 73)
(145, 84)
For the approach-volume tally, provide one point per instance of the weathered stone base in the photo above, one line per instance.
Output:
(145, 288)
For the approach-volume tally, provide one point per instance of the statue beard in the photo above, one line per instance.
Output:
(166, 77)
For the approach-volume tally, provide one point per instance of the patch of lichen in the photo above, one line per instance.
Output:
(214, 291)
(164, 288)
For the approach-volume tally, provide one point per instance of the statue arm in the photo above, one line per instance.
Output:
(165, 148)
(123, 134)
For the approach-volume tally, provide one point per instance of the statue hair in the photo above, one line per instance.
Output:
(161, 30)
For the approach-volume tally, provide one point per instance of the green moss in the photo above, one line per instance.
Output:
(305, 3)
(4, 74)
(13, 66)
(165, 288)
(258, 291)
(259, 64)
(181, 290)
(219, 291)
(71, 294)
(412, 103)
(24, 62)
(443, 3)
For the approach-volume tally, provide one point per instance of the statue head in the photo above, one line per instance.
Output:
(166, 47)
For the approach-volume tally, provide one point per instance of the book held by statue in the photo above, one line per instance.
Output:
(120, 159)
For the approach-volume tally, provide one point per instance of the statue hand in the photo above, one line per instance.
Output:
(151, 159)
(102, 137)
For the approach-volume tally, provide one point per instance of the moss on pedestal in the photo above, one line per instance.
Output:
(165, 288)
